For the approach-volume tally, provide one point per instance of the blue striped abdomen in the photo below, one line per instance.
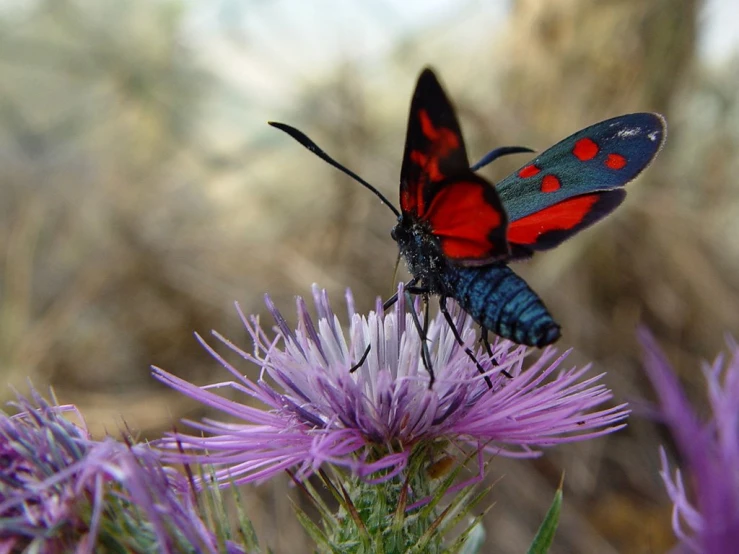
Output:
(502, 302)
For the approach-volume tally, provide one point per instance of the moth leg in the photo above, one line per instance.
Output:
(422, 329)
(390, 302)
(424, 337)
(356, 366)
(486, 343)
(418, 290)
(458, 338)
(385, 306)
(394, 298)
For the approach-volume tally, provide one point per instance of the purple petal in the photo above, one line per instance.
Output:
(313, 411)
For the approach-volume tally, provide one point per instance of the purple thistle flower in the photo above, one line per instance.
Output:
(61, 491)
(314, 411)
(708, 520)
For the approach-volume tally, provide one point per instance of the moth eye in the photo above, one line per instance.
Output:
(393, 234)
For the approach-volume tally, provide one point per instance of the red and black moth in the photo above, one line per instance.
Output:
(457, 231)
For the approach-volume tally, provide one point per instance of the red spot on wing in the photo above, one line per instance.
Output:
(585, 149)
(550, 183)
(560, 217)
(419, 158)
(528, 171)
(430, 165)
(463, 219)
(427, 127)
(443, 140)
(615, 161)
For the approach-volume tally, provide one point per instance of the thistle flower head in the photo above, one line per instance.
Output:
(314, 411)
(61, 491)
(708, 519)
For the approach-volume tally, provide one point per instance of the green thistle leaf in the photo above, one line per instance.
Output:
(545, 534)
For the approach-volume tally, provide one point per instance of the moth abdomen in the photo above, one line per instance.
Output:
(499, 300)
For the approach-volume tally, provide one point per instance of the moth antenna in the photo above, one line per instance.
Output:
(496, 153)
(313, 147)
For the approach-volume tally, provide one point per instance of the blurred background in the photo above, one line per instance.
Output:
(141, 193)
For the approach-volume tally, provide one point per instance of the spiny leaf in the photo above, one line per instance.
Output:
(207, 502)
(307, 488)
(331, 487)
(473, 538)
(400, 516)
(246, 528)
(441, 490)
(312, 529)
(446, 484)
(352, 509)
(545, 534)
(429, 535)
(462, 505)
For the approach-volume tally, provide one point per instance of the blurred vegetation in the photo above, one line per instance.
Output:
(141, 194)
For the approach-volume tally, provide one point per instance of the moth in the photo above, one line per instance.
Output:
(458, 232)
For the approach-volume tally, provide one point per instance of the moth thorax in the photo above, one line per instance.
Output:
(421, 251)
